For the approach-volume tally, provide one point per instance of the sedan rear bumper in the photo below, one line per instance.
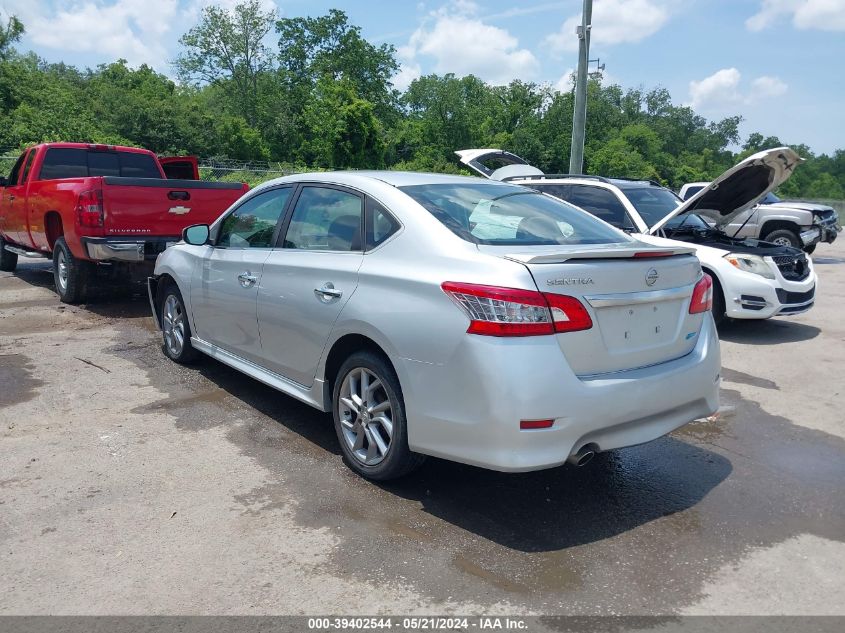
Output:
(470, 410)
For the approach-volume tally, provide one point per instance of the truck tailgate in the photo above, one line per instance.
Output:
(162, 208)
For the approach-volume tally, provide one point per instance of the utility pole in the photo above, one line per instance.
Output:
(579, 117)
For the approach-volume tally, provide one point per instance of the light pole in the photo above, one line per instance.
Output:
(579, 116)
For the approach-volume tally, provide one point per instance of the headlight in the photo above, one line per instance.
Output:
(751, 264)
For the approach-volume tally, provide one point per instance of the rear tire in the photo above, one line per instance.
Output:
(369, 418)
(784, 237)
(8, 260)
(175, 328)
(71, 275)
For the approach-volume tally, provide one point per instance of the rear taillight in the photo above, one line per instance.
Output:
(89, 208)
(495, 311)
(702, 295)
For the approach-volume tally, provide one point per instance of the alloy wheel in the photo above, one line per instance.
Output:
(173, 325)
(365, 412)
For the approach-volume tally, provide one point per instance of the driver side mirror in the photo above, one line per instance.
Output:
(196, 235)
(4, 182)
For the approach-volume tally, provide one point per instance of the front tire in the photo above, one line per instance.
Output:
(8, 261)
(71, 275)
(175, 329)
(784, 237)
(369, 418)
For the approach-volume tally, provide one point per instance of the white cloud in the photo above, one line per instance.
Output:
(719, 88)
(614, 22)
(825, 15)
(140, 31)
(566, 81)
(460, 42)
(768, 87)
(724, 88)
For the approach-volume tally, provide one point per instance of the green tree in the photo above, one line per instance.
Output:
(227, 49)
(10, 34)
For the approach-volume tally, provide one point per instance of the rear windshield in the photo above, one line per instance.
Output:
(499, 214)
(652, 203)
(66, 162)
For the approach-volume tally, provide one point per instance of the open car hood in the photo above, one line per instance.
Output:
(739, 188)
(507, 165)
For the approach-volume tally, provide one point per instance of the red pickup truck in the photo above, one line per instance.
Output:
(101, 209)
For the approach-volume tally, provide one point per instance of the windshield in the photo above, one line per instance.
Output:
(652, 203)
(500, 214)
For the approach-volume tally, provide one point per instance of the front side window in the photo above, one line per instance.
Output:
(326, 219)
(602, 203)
(253, 224)
(28, 166)
(502, 214)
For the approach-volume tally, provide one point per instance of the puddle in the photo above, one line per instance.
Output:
(16, 381)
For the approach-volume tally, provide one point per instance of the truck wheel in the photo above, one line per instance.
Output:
(369, 418)
(175, 328)
(784, 237)
(8, 261)
(71, 275)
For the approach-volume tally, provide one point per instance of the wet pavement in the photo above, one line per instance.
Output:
(199, 490)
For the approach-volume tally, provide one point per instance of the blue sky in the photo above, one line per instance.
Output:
(778, 63)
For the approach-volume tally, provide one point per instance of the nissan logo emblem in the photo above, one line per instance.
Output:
(651, 276)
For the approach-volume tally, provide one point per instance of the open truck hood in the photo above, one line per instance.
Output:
(507, 165)
(739, 188)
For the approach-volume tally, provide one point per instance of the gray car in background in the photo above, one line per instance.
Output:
(477, 321)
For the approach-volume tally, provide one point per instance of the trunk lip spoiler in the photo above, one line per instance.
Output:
(598, 253)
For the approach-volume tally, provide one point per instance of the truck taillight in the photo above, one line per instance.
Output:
(89, 208)
(495, 311)
(702, 295)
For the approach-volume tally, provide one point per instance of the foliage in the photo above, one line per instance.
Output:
(323, 97)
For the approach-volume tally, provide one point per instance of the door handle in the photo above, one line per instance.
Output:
(328, 292)
(247, 279)
(11, 197)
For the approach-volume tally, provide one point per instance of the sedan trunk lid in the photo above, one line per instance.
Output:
(638, 297)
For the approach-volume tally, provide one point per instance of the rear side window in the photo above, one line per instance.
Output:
(501, 214)
(326, 219)
(691, 191)
(380, 224)
(601, 203)
(71, 162)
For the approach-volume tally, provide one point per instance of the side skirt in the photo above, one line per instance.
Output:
(314, 395)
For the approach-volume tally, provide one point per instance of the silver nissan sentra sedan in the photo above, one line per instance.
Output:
(472, 320)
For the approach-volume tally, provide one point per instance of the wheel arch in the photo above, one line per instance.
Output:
(53, 227)
(340, 350)
(778, 225)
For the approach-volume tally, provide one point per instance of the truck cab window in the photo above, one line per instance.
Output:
(16, 170)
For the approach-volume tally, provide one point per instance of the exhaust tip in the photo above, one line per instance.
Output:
(582, 456)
